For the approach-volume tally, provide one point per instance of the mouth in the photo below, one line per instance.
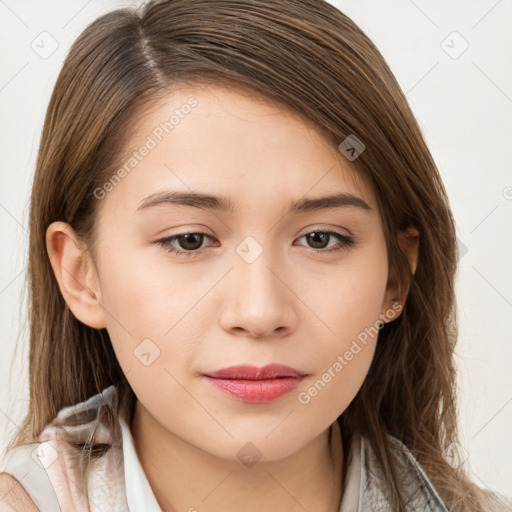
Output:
(256, 385)
(247, 372)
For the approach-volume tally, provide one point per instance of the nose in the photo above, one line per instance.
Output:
(257, 300)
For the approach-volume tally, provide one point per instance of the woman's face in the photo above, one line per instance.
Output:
(264, 285)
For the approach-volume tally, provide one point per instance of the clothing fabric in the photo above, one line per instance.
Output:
(58, 478)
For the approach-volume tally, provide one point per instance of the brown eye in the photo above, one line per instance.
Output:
(188, 243)
(319, 240)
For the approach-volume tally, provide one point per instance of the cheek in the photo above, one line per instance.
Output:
(150, 313)
(351, 311)
(138, 290)
(351, 300)
(343, 357)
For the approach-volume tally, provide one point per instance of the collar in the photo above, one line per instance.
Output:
(365, 487)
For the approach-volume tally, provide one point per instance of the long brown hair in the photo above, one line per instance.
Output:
(314, 60)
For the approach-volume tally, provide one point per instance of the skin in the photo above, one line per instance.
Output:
(291, 305)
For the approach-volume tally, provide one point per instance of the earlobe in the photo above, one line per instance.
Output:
(75, 274)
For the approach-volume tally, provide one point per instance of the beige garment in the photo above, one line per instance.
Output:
(53, 471)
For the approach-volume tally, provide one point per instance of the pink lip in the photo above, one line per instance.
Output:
(256, 385)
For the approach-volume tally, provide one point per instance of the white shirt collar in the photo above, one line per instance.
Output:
(139, 494)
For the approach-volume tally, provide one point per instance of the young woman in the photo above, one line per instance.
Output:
(242, 263)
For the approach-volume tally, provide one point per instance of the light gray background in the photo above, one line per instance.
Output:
(463, 101)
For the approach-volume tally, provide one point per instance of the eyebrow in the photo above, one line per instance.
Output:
(225, 204)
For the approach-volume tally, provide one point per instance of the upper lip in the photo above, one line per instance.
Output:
(246, 372)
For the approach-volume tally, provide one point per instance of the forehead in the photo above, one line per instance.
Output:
(232, 142)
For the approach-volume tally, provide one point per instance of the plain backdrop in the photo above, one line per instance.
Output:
(453, 61)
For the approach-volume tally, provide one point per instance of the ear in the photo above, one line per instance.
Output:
(398, 286)
(75, 273)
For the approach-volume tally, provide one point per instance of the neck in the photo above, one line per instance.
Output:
(186, 478)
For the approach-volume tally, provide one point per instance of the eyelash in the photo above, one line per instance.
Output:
(346, 242)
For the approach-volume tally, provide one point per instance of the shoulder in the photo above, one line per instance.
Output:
(415, 485)
(13, 496)
(423, 489)
(37, 475)
(24, 482)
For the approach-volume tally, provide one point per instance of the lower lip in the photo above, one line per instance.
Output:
(255, 391)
